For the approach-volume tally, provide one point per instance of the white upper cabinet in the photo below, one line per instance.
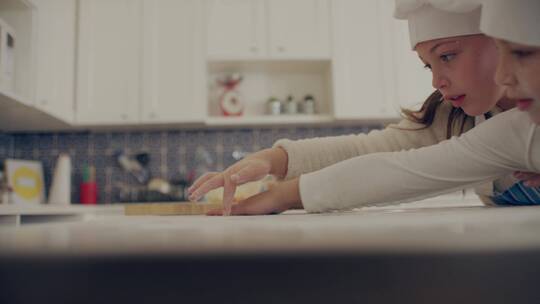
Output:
(173, 61)
(299, 29)
(17, 51)
(268, 29)
(235, 29)
(109, 60)
(357, 66)
(55, 62)
(375, 71)
(407, 83)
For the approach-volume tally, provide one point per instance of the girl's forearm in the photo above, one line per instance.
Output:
(288, 194)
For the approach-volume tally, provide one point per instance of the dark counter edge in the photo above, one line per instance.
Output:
(489, 277)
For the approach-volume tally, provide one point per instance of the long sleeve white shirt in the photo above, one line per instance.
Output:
(506, 143)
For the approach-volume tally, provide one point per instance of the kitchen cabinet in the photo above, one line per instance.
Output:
(18, 54)
(55, 62)
(17, 69)
(374, 71)
(235, 29)
(299, 29)
(406, 81)
(140, 61)
(280, 48)
(357, 62)
(116, 62)
(109, 56)
(173, 72)
(268, 29)
(412, 82)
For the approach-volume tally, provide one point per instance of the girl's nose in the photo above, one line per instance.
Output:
(439, 81)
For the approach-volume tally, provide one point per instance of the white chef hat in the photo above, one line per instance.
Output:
(513, 20)
(435, 19)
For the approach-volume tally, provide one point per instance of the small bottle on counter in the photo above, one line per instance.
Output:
(291, 106)
(5, 190)
(274, 106)
(308, 105)
(88, 187)
(60, 191)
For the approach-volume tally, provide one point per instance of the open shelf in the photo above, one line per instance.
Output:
(272, 78)
(263, 120)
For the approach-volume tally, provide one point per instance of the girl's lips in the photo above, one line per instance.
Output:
(457, 101)
(524, 104)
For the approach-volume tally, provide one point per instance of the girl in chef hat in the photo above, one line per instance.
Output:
(446, 36)
(515, 25)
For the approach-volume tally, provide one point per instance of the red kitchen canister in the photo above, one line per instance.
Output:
(88, 187)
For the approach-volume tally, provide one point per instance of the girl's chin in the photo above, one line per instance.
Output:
(474, 108)
(535, 116)
(472, 111)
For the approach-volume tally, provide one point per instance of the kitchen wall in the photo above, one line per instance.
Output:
(173, 153)
(6, 145)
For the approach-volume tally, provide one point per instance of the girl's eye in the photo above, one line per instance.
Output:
(521, 53)
(427, 66)
(447, 57)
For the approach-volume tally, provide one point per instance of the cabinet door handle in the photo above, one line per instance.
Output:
(281, 49)
(44, 102)
(124, 116)
(254, 49)
(152, 115)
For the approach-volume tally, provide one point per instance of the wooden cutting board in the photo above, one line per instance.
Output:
(185, 208)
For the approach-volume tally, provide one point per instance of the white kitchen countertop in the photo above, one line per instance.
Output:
(457, 252)
(446, 229)
(46, 209)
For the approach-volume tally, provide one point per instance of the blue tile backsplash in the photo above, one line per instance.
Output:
(173, 154)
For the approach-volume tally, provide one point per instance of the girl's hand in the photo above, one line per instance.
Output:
(531, 179)
(252, 168)
(280, 198)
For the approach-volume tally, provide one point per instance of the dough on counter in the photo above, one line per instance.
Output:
(186, 208)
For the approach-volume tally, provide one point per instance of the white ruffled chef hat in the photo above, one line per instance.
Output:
(513, 20)
(435, 19)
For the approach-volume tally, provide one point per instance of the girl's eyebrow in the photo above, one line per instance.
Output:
(438, 45)
(441, 43)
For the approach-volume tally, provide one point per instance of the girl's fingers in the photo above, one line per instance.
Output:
(259, 204)
(533, 182)
(201, 180)
(531, 179)
(262, 203)
(211, 184)
(525, 175)
(215, 212)
(229, 188)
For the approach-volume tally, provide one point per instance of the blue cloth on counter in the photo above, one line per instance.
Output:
(518, 195)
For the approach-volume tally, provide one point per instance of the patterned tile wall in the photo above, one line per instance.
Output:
(6, 145)
(173, 154)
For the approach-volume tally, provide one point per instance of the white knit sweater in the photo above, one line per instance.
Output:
(495, 148)
(309, 155)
